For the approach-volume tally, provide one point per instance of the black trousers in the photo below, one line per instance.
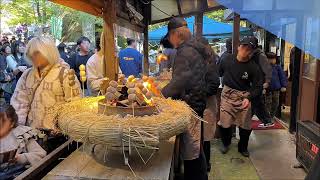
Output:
(226, 136)
(259, 109)
(207, 151)
(196, 169)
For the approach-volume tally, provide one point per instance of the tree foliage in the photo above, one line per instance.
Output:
(28, 11)
(217, 15)
(40, 11)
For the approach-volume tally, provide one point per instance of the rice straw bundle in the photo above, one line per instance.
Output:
(80, 120)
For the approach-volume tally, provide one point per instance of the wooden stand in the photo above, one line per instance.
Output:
(83, 164)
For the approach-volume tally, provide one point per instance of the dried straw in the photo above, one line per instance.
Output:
(80, 120)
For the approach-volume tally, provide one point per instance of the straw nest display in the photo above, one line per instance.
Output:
(81, 121)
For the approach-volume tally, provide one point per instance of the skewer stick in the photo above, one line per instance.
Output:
(83, 89)
(71, 92)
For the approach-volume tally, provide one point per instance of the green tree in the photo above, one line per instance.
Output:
(217, 15)
(40, 11)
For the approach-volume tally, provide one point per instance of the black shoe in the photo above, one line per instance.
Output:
(224, 149)
(245, 153)
(243, 143)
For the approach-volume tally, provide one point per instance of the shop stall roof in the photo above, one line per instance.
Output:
(160, 10)
(294, 21)
(211, 28)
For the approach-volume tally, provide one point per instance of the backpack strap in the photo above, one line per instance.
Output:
(61, 74)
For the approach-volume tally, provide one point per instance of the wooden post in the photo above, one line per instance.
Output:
(145, 51)
(199, 25)
(235, 33)
(146, 22)
(109, 58)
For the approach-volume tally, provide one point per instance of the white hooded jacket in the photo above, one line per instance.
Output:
(35, 94)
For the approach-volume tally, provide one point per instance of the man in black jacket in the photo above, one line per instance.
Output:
(189, 84)
(265, 71)
(242, 84)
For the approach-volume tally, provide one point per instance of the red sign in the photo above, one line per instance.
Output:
(314, 149)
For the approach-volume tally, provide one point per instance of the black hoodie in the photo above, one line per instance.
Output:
(188, 81)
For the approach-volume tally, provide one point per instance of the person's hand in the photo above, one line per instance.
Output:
(22, 68)
(264, 91)
(283, 89)
(245, 103)
(7, 77)
(265, 85)
(14, 160)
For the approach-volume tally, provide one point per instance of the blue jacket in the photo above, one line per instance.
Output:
(279, 79)
(130, 62)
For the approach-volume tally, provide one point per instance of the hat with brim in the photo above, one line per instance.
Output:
(174, 23)
(250, 41)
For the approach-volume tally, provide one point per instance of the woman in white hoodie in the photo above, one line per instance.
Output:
(44, 85)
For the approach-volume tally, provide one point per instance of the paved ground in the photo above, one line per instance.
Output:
(272, 158)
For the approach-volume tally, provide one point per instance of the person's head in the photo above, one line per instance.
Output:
(83, 44)
(61, 47)
(132, 43)
(8, 120)
(19, 48)
(178, 31)
(6, 50)
(229, 45)
(41, 52)
(246, 47)
(272, 57)
(165, 42)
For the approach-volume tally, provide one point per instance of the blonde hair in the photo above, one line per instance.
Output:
(45, 46)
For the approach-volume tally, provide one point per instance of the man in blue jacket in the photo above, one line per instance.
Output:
(131, 59)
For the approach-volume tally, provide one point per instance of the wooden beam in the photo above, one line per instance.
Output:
(179, 7)
(189, 14)
(145, 51)
(198, 25)
(147, 18)
(34, 171)
(81, 6)
(109, 17)
(235, 33)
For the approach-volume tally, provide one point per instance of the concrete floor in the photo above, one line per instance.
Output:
(273, 154)
(272, 158)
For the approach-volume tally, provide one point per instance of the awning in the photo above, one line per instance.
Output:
(295, 21)
(211, 29)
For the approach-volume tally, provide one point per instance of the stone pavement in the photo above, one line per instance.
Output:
(272, 158)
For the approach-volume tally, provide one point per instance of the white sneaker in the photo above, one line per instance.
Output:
(262, 125)
(255, 118)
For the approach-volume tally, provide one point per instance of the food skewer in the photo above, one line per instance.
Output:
(83, 77)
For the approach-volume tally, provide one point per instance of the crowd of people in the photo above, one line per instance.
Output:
(251, 81)
(34, 78)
